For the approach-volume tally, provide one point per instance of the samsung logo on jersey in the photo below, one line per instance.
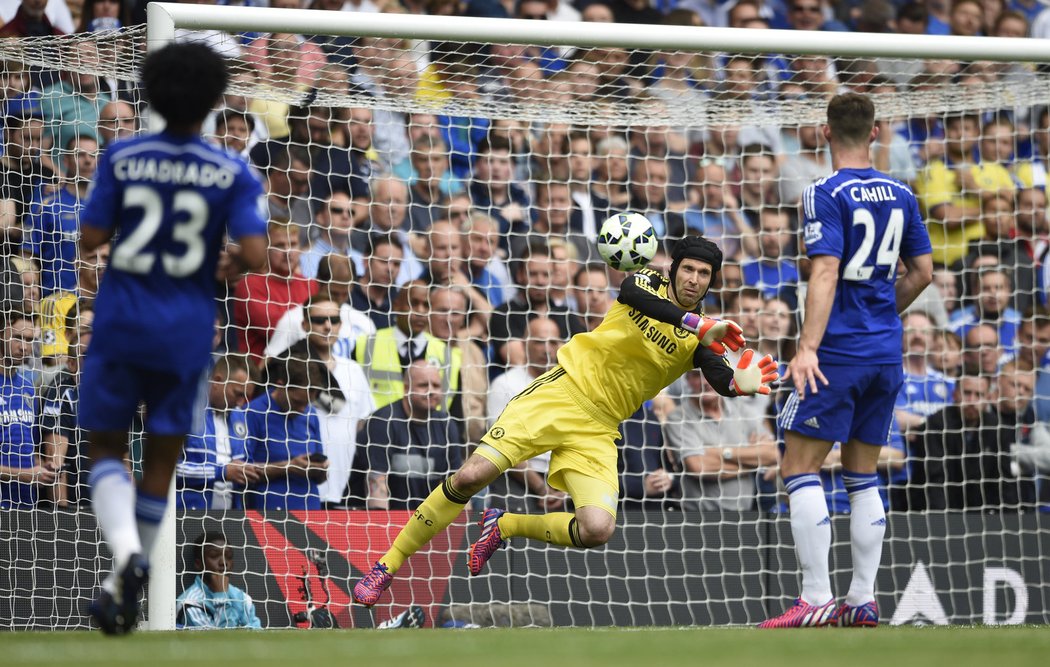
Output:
(203, 175)
(20, 416)
(652, 333)
(873, 193)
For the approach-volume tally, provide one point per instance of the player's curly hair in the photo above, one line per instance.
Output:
(183, 82)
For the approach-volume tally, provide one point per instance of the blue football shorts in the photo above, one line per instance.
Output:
(856, 404)
(111, 391)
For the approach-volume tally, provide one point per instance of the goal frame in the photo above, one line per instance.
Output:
(163, 19)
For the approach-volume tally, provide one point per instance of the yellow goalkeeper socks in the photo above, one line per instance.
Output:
(554, 528)
(440, 509)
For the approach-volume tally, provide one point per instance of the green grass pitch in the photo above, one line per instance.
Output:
(696, 647)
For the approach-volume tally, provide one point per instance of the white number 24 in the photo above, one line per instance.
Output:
(129, 254)
(889, 245)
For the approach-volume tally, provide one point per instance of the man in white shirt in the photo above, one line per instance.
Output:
(333, 220)
(334, 274)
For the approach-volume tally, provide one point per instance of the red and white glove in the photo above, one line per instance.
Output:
(716, 335)
(749, 378)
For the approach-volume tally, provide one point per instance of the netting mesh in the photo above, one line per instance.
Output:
(560, 84)
(452, 192)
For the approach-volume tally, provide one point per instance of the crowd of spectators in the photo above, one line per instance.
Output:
(424, 268)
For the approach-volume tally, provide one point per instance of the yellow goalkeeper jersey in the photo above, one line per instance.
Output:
(54, 309)
(638, 349)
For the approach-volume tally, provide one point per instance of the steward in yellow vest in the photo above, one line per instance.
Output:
(380, 356)
(386, 354)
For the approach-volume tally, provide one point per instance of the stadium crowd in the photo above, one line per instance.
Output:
(423, 269)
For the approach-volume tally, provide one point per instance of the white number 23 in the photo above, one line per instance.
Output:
(130, 254)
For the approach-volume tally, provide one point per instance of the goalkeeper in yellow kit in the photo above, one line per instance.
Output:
(653, 334)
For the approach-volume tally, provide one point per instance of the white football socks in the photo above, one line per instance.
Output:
(113, 500)
(867, 528)
(811, 528)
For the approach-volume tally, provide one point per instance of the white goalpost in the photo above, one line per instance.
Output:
(502, 133)
(164, 18)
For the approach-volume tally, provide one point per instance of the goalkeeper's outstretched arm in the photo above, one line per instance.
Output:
(641, 291)
(716, 370)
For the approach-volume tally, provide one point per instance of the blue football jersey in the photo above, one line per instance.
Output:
(53, 233)
(770, 279)
(274, 435)
(170, 201)
(926, 395)
(867, 220)
(17, 436)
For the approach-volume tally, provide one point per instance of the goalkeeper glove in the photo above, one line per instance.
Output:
(716, 335)
(749, 379)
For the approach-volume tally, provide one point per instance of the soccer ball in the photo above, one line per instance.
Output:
(627, 241)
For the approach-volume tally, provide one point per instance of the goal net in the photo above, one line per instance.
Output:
(444, 192)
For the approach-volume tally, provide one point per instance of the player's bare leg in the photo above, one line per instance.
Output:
(596, 526)
(440, 508)
(160, 454)
(592, 525)
(811, 529)
(867, 529)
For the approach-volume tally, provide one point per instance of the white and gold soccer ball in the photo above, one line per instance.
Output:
(627, 241)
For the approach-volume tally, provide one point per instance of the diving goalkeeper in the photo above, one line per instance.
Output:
(653, 334)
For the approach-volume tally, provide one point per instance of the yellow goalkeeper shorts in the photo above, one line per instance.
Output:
(552, 415)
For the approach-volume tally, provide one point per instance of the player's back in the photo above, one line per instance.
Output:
(868, 220)
(169, 200)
